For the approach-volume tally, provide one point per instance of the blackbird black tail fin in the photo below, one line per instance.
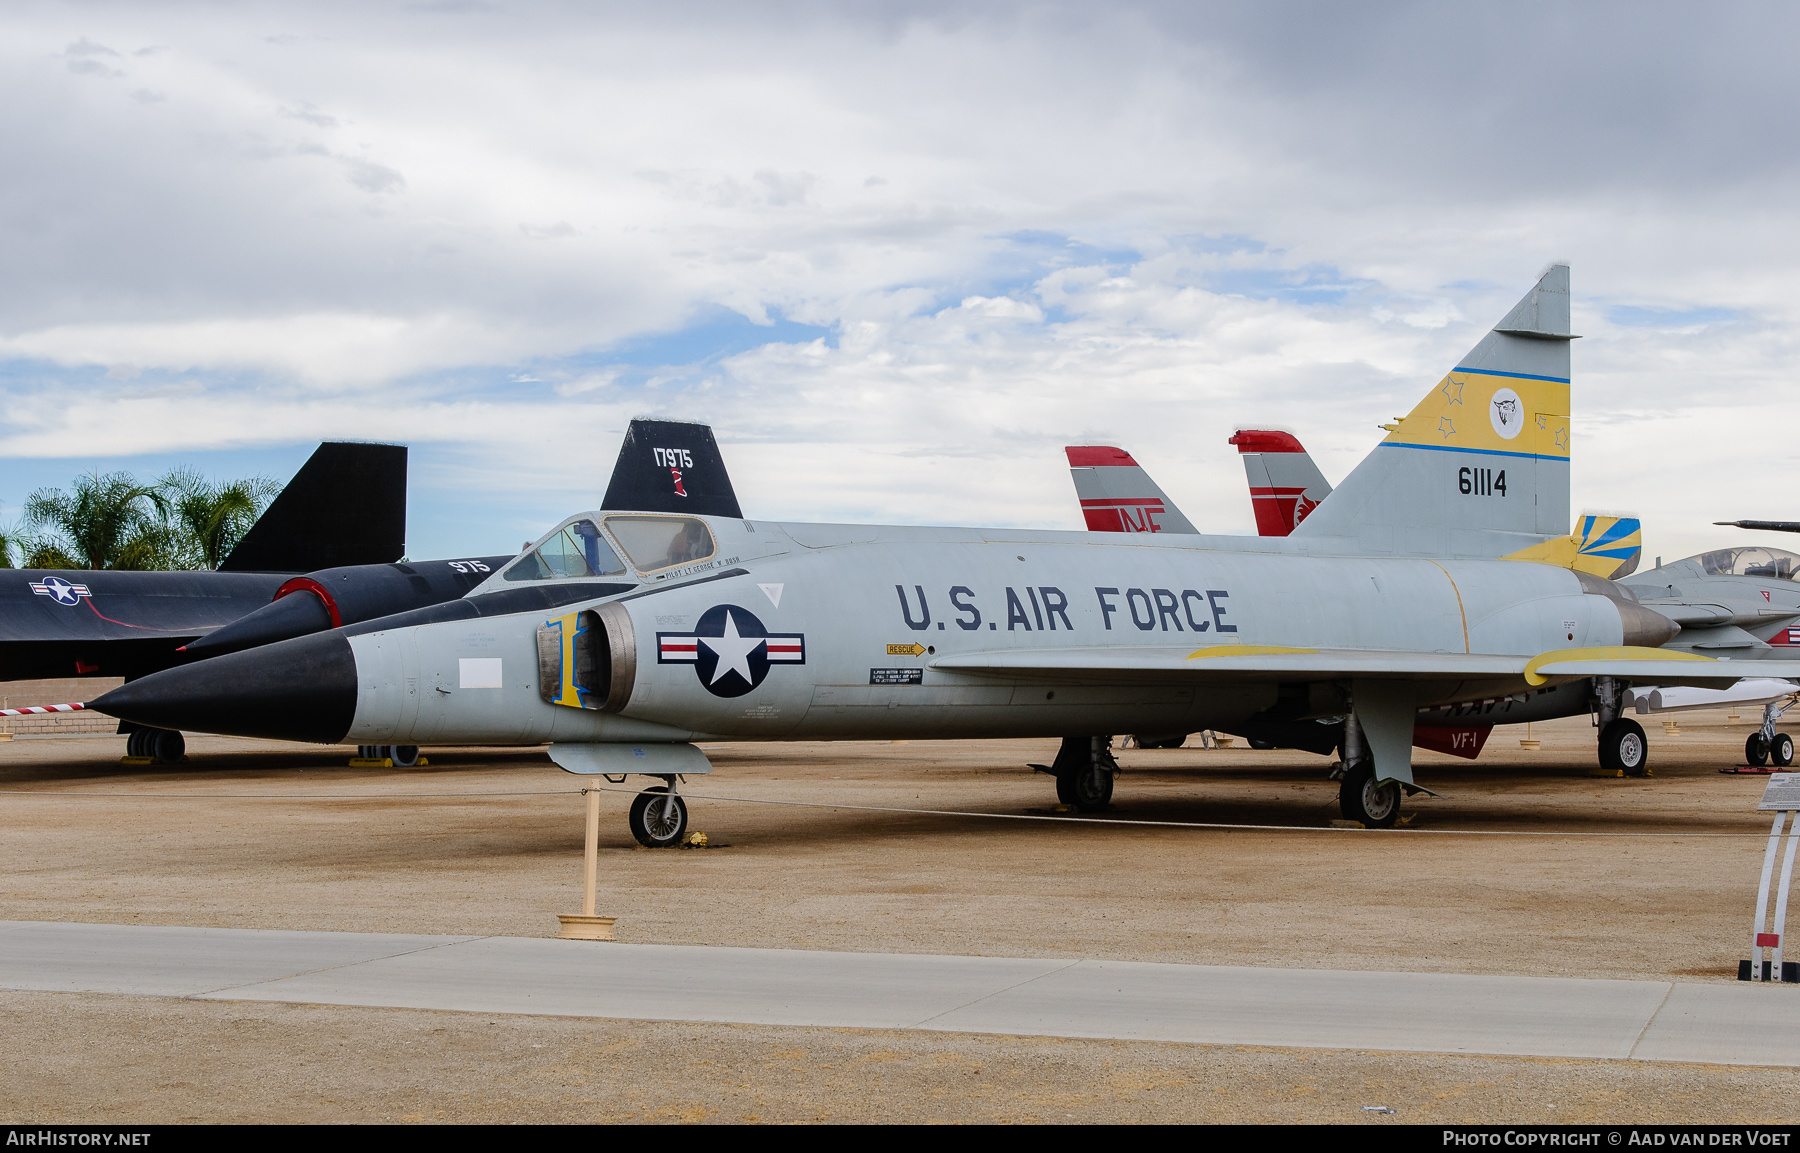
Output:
(346, 506)
(671, 466)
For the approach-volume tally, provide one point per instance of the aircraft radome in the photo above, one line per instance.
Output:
(703, 625)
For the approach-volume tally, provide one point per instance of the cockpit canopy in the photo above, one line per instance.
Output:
(575, 550)
(1751, 561)
(651, 543)
(659, 542)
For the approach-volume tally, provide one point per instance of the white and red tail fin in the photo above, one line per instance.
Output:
(1117, 495)
(1285, 484)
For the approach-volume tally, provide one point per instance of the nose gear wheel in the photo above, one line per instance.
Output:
(657, 819)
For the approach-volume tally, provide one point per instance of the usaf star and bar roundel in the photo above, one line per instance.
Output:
(61, 591)
(731, 650)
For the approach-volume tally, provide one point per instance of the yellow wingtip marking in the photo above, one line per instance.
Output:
(1243, 651)
(1604, 653)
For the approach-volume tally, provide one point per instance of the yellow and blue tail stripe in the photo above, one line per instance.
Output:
(1491, 412)
(1604, 546)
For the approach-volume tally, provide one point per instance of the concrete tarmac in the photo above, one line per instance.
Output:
(1118, 1000)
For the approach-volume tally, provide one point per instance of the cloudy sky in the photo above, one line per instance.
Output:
(898, 254)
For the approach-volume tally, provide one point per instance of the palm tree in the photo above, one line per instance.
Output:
(210, 519)
(108, 522)
(37, 552)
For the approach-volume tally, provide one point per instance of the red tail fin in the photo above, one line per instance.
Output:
(1117, 495)
(1285, 485)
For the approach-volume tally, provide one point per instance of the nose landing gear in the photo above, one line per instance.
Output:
(658, 816)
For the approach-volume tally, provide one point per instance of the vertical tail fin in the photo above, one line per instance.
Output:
(346, 506)
(671, 466)
(1285, 484)
(1480, 467)
(1117, 495)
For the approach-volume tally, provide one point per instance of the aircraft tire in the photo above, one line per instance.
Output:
(1756, 750)
(1090, 789)
(1065, 790)
(1781, 750)
(403, 756)
(134, 743)
(166, 745)
(1361, 799)
(648, 825)
(1623, 747)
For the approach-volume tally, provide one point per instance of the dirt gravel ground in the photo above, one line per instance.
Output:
(87, 1059)
(243, 836)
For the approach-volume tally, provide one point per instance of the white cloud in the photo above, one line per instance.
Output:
(1025, 227)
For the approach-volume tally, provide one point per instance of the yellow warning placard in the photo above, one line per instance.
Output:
(906, 650)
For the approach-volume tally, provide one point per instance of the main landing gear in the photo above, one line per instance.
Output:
(658, 816)
(1765, 744)
(1623, 746)
(403, 756)
(165, 746)
(1361, 798)
(1084, 770)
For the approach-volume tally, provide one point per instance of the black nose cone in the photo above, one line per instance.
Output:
(291, 616)
(298, 690)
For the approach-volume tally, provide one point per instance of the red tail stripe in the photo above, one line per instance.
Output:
(1265, 440)
(1098, 455)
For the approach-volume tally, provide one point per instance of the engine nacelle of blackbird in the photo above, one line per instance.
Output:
(347, 595)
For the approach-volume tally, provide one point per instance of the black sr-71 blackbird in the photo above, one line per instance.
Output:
(325, 553)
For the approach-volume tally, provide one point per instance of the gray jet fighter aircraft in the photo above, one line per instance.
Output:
(1735, 603)
(1393, 594)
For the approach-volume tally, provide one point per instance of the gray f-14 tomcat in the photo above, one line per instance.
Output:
(702, 625)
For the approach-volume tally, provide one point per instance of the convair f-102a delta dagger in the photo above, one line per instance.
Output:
(687, 622)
